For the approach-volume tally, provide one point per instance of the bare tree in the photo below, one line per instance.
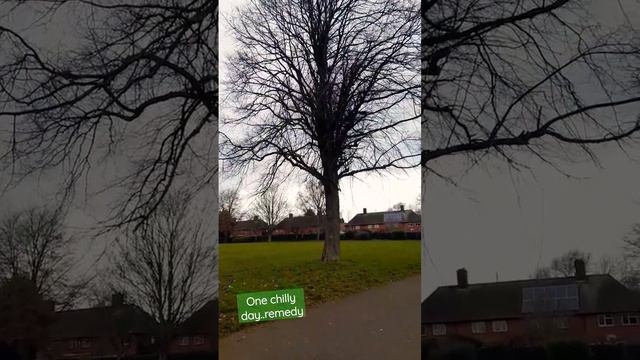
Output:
(329, 88)
(312, 198)
(230, 213)
(542, 273)
(271, 206)
(167, 265)
(33, 244)
(564, 265)
(138, 83)
(531, 76)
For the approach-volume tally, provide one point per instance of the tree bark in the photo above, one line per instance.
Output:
(331, 251)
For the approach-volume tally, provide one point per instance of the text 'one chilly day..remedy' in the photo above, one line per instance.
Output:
(270, 305)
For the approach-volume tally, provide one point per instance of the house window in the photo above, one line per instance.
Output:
(74, 344)
(370, 226)
(424, 330)
(630, 319)
(184, 341)
(479, 327)
(605, 320)
(439, 329)
(499, 326)
(198, 340)
(85, 343)
(561, 323)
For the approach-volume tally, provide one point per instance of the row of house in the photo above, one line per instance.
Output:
(124, 331)
(373, 222)
(593, 309)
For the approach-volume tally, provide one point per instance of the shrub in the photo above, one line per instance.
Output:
(568, 350)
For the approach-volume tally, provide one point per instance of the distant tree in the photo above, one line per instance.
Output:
(629, 267)
(229, 202)
(542, 273)
(309, 212)
(313, 201)
(271, 207)
(24, 316)
(167, 265)
(397, 206)
(33, 243)
(564, 265)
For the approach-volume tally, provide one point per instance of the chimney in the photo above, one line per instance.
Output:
(290, 215)
(117, 299)
(463, 282)
(364, 210)
(581, 272)
(401, 207)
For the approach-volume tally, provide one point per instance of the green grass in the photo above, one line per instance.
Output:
(265, 266)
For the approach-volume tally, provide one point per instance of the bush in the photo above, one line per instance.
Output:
(363, 235)
(568, 350)
(466, 353)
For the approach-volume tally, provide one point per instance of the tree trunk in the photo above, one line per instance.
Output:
(269, 236)
(331, 251)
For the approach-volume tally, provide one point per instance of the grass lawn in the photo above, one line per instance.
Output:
(266, 266)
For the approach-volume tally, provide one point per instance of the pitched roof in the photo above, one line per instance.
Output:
(304, 221)
(503, 300)
(102, 321)
(250, 225)
(202, 321)
(384, 217)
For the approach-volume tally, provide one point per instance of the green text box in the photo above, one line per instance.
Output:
(270, 305)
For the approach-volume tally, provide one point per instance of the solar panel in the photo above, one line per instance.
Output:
(394, 217)
(550, 298)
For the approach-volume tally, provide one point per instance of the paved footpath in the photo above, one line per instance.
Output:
(377, 324)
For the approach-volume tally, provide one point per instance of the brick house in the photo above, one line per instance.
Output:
(595, 309)
(249, 228)
(385, 221)
(198, 335)
(103, 332)
(302, 225)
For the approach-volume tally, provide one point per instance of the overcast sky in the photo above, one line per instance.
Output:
(376, 192)
(503, 225)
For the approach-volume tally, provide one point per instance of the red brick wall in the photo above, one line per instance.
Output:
(178, 346)
(95, 347)
(521, 331)
(406, 227)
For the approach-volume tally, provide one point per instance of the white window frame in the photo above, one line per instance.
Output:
(184, 341)
(561, 323)
(85, 343)
(198, 340)
(478, 327)
(606, 320)
(499, 326)
(439, 329)
(627, 316)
